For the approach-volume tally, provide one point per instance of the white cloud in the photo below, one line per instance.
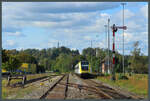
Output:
(87, 37)
(133, 26)
(73, 48)
(105, 15)
(144, 11)
(128, 37)
(53, 43)
(44, 24)
(10, 42)
(127, 14)
(76, 25)
(100, 45)
(16, 16)
(14, 33)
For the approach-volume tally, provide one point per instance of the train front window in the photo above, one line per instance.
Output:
(84, 67)
(84, 63)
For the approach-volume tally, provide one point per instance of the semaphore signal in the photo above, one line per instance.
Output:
(115, 29)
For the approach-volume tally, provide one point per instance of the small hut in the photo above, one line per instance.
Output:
(105, 68)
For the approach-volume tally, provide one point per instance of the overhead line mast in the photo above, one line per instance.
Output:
(58, 44)
(108, 46)
(91, 55)
(106, 35)
(123, 4)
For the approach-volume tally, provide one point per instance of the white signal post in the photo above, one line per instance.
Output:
(114, 29)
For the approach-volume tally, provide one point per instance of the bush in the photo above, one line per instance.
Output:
(123, 77)
(101, 74)
(106, 74)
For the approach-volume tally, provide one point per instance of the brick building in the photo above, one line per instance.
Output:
(105, 68)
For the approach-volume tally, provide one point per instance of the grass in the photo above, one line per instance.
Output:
(14, 93)
(18, 92)
(137, 83)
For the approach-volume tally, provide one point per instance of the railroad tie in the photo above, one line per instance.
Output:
(105, 94)
(80, 87)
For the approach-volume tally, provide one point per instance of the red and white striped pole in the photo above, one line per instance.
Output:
(113, 47)
(114, 29)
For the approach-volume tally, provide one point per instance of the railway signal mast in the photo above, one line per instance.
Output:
(114, 29)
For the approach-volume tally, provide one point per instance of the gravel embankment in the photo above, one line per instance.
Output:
(41, 88)
(75, 93)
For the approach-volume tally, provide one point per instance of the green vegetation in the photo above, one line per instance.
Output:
(139, 62)
(13, 60)
(10, 62)
(137, 83)
(63, 59)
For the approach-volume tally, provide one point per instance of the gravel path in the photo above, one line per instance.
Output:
(40, 88)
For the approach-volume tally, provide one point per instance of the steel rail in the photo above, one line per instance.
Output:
(51, 88)
(67, 82)
(92, 89)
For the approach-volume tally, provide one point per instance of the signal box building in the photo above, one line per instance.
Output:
(105, 68)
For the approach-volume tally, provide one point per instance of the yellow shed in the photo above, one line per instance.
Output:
(4, 71)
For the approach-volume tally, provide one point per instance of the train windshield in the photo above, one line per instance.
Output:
(85, 65)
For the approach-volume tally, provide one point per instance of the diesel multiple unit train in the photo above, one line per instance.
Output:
(83, 68)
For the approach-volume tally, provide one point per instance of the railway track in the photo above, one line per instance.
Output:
(105, 91)
(60, 88)
(57, 91)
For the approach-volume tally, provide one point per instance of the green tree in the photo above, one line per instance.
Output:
(138, 63)
(5, 56)
(63, 63)
(12, 64)
(26, 58)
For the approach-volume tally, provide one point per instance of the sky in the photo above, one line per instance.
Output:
(73, 24)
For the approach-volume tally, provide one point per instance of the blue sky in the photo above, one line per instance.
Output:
(41, 25)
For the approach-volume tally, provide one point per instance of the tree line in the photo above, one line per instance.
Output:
(63, 59)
